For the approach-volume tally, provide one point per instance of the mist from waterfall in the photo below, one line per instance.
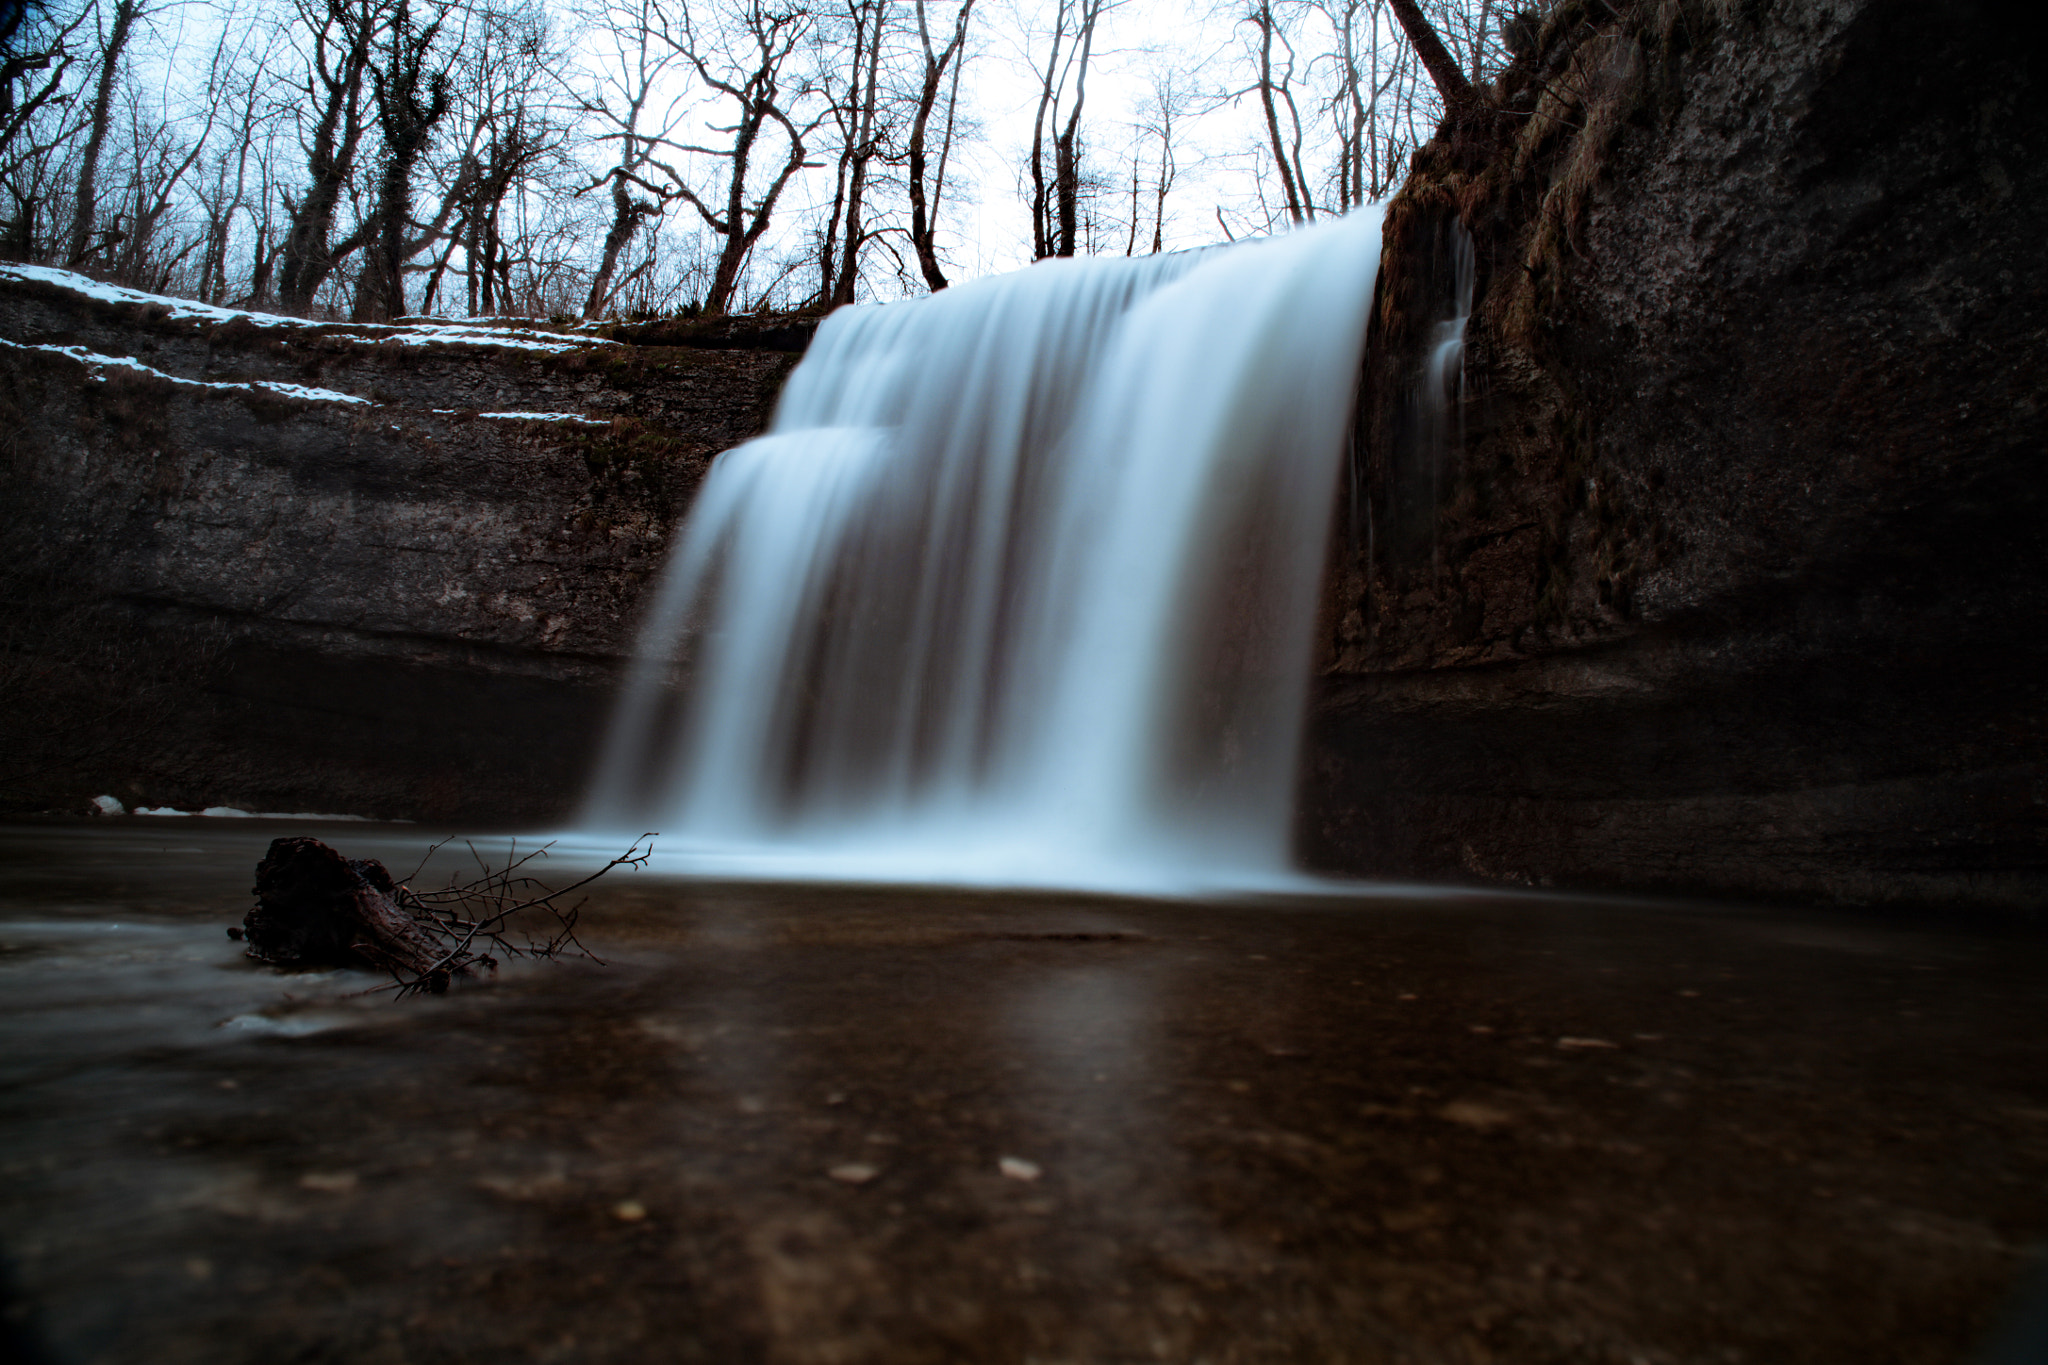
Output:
(1019, 588)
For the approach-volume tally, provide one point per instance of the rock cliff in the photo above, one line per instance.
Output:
(1721, 571)
(388, 571)
(1724, 571)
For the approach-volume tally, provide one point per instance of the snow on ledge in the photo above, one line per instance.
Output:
(107, 805)
(100, 364)
(575, 417)
(473, 333)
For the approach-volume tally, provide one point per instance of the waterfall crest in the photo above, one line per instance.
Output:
(1019, 588)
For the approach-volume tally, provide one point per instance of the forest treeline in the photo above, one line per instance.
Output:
(373, 159)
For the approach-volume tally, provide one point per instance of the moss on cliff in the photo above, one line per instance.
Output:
(1518, 543)
(1714, 583)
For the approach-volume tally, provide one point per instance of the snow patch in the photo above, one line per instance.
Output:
(100, 364)
(294, 391)
(366, 333)
(575, 417)
(454, 334)
(235, 813)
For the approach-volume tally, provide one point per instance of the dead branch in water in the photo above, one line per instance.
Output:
(480, 911)
(315, 908)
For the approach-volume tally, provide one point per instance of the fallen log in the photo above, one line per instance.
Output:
(317, 908)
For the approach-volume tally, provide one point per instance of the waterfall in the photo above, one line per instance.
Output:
(1019, 587)
(1440, 388)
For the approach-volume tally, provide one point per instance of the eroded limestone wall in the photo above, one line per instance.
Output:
(231, 584)
(1729, 586)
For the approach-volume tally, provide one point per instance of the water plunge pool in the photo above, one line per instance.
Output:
(860, 1124)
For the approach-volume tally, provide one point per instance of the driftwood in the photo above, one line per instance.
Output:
(316, 908)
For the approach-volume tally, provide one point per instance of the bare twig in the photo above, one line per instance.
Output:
(470, 922)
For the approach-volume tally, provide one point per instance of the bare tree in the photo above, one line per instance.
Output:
(1275, 86)
(635, 120)
(85, 196)
(1356, 66)
(509, 143)
(854, 110)
(268, 247)
(746, 59)
(35, 55)
(222, 191)
(341, 37)
(924, 199)
(410, 98)
(1366, 71)
(235, 99)
(1055, 201)
(517, 143)
(143, 249)
(39, 123)
(1170, 104)
(1478, 36)
(1461, 101)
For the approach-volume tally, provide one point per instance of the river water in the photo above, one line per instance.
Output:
(817, 1124)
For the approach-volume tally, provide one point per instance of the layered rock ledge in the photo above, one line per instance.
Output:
(387, 570)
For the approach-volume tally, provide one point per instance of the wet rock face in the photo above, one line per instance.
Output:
(227, 592)
(1725, 586)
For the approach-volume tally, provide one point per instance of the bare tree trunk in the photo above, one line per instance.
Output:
(431, 294)
(1159, 208)
(1461, 102)
(1041, 214)
(626, 215)
(922, 228)
(1067, 146)
(1298, 207)
(477, 279)
(86, 201)
(330, 157)
(863, 151)
(408, 122)
(828, 242)
(263, 260)
(1169, 109)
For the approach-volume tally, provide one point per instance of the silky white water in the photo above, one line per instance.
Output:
(1440, 391)
(1019, 588)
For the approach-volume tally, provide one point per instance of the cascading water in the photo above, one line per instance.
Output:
(1018, 589)
(1440, 389)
